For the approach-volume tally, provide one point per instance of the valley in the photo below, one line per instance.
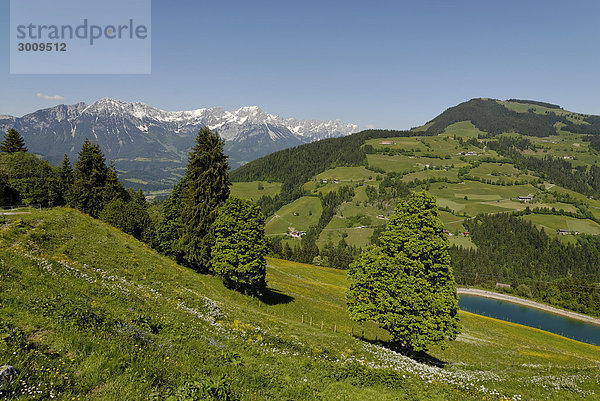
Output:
(546, 181)
(88, 311)
(491, 185)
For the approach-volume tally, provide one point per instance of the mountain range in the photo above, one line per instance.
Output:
(149, 146)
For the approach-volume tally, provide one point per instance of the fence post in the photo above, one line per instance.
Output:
(311, 320)
(303, 318)
(321, 325)
(335, 328)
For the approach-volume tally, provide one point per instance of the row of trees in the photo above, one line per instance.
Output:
(580, 179)
(90, 186)
(330, 255)
(201, 226)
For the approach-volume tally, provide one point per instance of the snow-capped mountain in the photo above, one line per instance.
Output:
(150, 145)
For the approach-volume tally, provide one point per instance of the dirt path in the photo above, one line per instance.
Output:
(526, 302)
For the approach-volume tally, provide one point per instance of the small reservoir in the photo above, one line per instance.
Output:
(528, 316)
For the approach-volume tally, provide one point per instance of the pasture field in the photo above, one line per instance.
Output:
(463, 129)
(347, 174)
(89, 312)
(552, 223)
(300, 214)
(251, 190)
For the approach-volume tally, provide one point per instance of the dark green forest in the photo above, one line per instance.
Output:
(537, 103)
(580, 179)
(513, 251)
(305, 161)
(493, 118)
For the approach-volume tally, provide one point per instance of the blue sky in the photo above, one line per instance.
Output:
(385, 64)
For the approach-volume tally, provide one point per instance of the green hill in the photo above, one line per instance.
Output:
(484, 156)
(87, 312)
(468, 175)
(526, 117)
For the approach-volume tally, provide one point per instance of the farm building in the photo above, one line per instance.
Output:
(527, 198)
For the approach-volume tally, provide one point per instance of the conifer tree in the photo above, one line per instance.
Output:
(206, 189)
(240, 246)
(89, 180)
(13, 142)
(65, 180)
(406, 284)
(113, 189)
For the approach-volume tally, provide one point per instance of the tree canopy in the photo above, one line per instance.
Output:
(130, 217)
(28, 180)
(206, 189)
(89, 179)
(13, 142)
(406, 283)
(240, 246)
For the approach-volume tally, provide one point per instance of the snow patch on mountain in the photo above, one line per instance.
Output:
(229, 124)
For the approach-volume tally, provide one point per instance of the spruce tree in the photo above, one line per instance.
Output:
(13, 142)
(406, 284)
(89, 180)
(113, 189)
(206, 189)
(240, 245)
(65, 180)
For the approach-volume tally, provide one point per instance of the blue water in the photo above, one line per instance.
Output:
(564, 326)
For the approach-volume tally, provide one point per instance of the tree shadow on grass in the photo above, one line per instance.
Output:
(271, 296)
(419, 356)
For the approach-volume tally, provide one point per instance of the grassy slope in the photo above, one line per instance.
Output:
(443, 152)
(101, 316)
(249, 190)
(485, 198)
(308, 210)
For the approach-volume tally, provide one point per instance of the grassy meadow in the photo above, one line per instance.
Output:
(252, 189)
(88, 312)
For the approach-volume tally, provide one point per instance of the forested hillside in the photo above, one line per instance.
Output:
(533, 161)
(293, 167)
(492, 117)
(511, 250)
